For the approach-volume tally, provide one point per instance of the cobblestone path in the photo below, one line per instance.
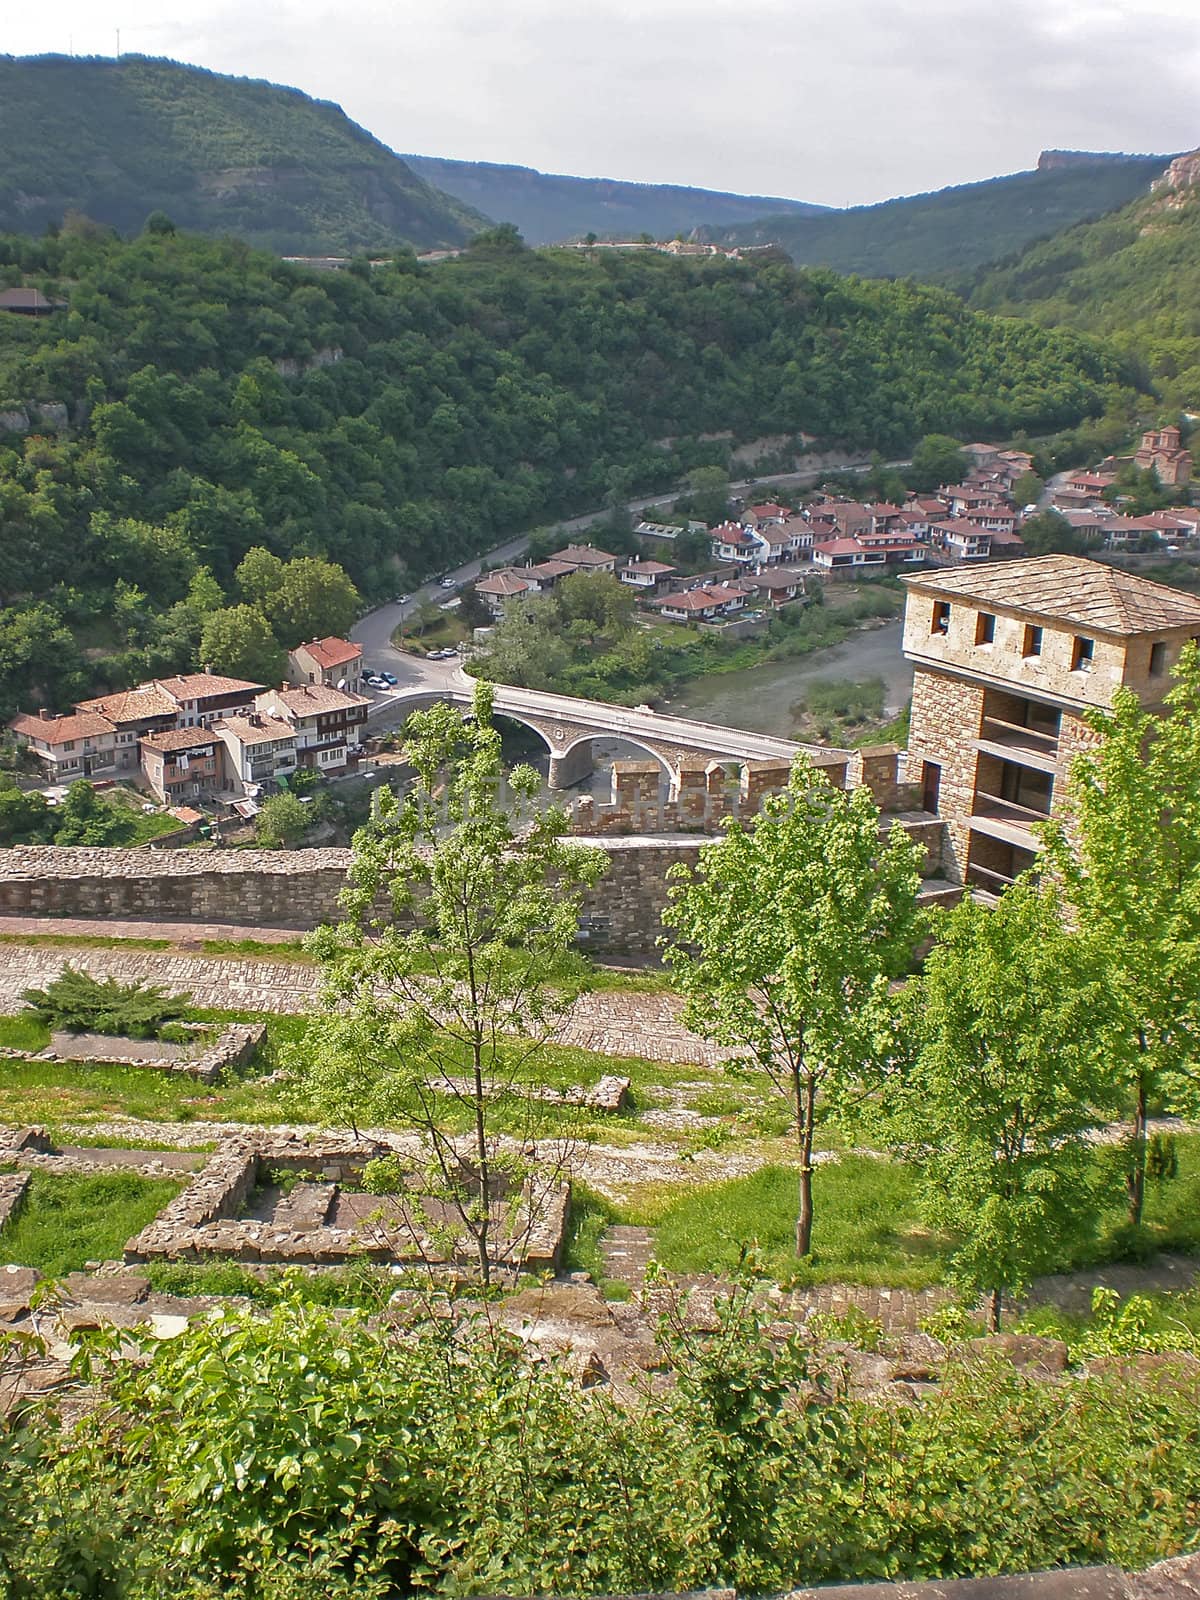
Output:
(610, 1023)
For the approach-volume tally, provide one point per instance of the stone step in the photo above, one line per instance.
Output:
(627, 1252)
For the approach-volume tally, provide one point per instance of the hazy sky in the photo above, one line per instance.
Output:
(841, 101)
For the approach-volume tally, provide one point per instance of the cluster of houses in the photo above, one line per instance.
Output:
(202, 737)
(766, 555)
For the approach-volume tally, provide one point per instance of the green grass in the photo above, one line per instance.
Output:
(85, 941)
(23, 1033)
(867, 1226)
(68, 1220)
(259, 949)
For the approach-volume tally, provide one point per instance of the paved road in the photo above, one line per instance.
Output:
(374, 631)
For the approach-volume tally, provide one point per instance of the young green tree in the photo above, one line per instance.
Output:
(441, 983)
(787, 937)
(1005, 1030)
(282, 821)
(238, 640)
(1127, 852)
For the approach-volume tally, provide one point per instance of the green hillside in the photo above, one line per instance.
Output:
(120, 139)
(934, 236)
(549, 208)
(1134, 275)
(199, 399)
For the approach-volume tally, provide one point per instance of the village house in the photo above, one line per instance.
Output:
(1091, 483)
(730, 541)
(898, 547)
(29, 302)
(982, 456)
(761, 516)
(82, 745)
(499, 589)
(134, 712)
(182, 764)
(1161, 451)
(995, 519)
(585, 558)
(959, 498)
(706, 603)
(1008, 660)
(259, 749)
(546, 574)
(327, 723)
(774, 585)
(202, 697)
(849, 517)
(959, 540)
(837, 557)
(337, 663)
(642, 575)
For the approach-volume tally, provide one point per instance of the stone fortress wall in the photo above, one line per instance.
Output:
(643, 835)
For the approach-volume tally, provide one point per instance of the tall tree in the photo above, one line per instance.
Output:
(238, 640)
(787, 936)
(936, 459)
(441, 983)
(1127, 850)
(1005, 1081)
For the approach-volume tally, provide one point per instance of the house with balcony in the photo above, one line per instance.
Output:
(958, 540)
(705, 603)
(730, 541)
(846, 557)
(183, 765)
(1008, 659)
(328, 723)
(337, 663)
(645, 576)
(259, 749)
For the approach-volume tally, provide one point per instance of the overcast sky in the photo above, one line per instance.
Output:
(840, 101)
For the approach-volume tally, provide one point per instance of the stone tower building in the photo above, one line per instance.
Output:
(1008, 658)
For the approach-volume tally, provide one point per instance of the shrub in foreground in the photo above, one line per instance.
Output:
(293, 1453)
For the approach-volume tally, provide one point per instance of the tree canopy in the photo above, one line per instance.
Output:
(195, 401)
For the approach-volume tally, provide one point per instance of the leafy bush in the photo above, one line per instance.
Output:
(293, 1453)
(76, 1002)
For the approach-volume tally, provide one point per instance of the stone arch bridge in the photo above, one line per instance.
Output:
(567, 726)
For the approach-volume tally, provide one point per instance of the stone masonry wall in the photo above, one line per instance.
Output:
(947, 714)
(299, 888)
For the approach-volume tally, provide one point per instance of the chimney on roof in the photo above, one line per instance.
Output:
(44, 714)
(208, 668)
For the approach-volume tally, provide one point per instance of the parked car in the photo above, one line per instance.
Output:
(446, 583)
(390, 679)
(374, 681)
(401, 598)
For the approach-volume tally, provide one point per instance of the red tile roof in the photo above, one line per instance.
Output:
(61, 730)
(331, 652)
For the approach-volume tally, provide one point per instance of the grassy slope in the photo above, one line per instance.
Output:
(118, 140)
(1134, 276)
(953, 230)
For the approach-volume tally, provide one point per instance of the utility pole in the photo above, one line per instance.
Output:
(118, 44)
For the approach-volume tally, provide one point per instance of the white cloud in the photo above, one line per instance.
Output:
(843, 101)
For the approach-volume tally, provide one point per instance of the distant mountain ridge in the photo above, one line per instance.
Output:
(957, 230)
(551, 208)
(1133, 275)
(120, 139)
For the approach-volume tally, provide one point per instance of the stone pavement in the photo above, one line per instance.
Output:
(612, 1023)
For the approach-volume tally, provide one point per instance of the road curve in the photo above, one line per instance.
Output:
(374, 630)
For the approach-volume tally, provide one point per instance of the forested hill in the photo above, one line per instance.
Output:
(214, 399)
(1134, 275)
(549, 208)
(935, 236)
(120, 139)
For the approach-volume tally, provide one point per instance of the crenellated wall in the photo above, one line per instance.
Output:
(299, 888)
